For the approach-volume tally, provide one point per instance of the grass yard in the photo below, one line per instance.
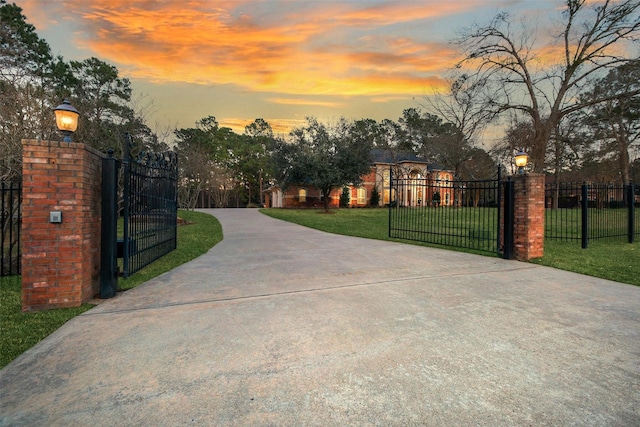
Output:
(566, 224)
(465, 227)
(20, 331)
(612, 259)
(368, 223)
(194, 239)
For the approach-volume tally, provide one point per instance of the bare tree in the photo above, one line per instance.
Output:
(464, 106)
(591, 41)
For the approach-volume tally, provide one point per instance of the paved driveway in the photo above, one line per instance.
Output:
(283, 325)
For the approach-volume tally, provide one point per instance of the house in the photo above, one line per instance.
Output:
(416, 183)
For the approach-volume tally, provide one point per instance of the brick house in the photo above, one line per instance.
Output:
(421, 179)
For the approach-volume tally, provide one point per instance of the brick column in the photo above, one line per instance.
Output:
(60, 261)
(528, 234)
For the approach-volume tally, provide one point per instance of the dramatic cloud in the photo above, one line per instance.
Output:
(308, 47)
(280, 58)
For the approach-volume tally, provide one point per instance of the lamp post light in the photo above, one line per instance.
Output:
(66, 119)
(521, 161)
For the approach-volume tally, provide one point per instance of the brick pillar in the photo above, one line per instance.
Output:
(528, 233)
(60, 261)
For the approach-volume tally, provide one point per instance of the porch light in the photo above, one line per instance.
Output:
(66, 119)
(521, 161)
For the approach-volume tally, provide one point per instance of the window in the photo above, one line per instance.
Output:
(386, 178)
(302, 195)
(385, 196)
(362, 196)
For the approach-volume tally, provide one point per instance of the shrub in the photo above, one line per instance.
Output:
(345, 197)
(375, 197)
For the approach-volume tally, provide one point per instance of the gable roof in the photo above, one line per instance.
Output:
(390, 158)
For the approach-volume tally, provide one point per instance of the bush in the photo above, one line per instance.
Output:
(375, 198)
(345, 197)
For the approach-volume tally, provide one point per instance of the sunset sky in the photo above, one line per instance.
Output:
(279, 60)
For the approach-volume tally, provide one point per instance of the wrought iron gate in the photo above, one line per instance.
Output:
(10, 223)
(464, 214)
(149, 208)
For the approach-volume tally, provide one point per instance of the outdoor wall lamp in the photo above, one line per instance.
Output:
(66, 119)
(521, 161)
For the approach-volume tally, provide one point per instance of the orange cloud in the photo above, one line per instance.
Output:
(311, 48)
(298, 101)
(280, 127)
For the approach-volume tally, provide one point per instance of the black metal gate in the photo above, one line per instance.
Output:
(10, 222)
(463, 214)
(149, 208)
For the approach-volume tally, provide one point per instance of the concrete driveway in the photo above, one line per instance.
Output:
(283, 325)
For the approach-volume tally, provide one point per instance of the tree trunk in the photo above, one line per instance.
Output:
(623, 152)
(325, 199)
(539, 148)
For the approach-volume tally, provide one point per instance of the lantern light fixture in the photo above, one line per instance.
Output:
(521, 161)
(66, 119)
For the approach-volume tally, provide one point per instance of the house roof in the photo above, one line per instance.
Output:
(391, 158)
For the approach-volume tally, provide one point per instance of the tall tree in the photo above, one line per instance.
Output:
(479, 166)
(615, 123)
(30, 83)
(258, 141)
(463, 106)
(590, 43)
(327, 157)
(434, 139)
(204, 162)
(33, 82)
(102, 97)
(391, 135)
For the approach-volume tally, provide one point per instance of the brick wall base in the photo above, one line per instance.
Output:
(60, 261)
(528, 234)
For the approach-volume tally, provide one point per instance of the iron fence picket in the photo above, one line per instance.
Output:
(151, 211)
(464, 214)
(583, 212)
(10, 223)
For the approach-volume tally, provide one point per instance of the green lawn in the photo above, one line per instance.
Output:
(369, 223)
(612, 259)
(468, 227)
(566, 224)
(20, 331)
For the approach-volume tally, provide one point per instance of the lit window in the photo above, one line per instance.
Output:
(302, 195)
(362, 196)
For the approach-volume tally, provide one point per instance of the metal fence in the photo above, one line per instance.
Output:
(150, 209)
(587, 211)
(10, 220)
(462, 214)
